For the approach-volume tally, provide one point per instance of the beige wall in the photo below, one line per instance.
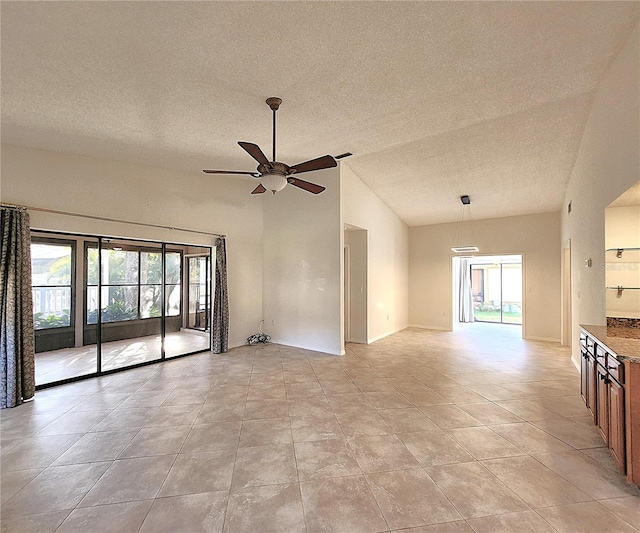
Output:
(387, 256)
(622, 230)
(608, 163)
(302, 283)
(536, 237)
(124, 191)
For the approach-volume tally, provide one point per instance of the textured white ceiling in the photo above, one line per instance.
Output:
(629, 197)
(435, 99)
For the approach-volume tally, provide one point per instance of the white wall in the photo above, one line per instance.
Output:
(388, 252)
(536, 237)
(303, 265)
(622, 230)
(124, 191)
(608, 163)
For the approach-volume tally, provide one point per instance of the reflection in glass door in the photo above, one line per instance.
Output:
(497, 292)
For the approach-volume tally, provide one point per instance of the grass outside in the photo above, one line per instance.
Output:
(494, 316)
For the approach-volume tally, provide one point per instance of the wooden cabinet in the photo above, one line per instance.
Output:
(603, 391)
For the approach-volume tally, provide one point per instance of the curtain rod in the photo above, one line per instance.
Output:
(13, 206)
(105, 219)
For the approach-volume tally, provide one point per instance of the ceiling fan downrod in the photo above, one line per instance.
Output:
(274, 103)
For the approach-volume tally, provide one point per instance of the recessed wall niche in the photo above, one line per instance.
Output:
(622, 259)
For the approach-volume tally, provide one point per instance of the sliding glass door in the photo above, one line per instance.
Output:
(497, 292)
(103, 304)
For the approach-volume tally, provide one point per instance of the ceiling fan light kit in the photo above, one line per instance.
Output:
(274, 175)
(273, 182)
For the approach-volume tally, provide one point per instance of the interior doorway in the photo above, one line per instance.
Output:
(355, 284)
(566, 293)
(488, 289)
(347, 291)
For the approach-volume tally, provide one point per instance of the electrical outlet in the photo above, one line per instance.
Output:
(273, 322)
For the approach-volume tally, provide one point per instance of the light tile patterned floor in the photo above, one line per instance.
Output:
(423, 431)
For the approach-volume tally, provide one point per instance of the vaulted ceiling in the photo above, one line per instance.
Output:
(434, 99)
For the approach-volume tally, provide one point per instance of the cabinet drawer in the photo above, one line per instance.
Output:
(616, 369)
(601, 355)
(591, 346)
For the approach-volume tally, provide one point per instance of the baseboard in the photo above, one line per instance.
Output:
(358, 341)
(282, 343)
(377, 338)
(422, 326)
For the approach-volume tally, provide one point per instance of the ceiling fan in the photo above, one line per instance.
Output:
(274, 176)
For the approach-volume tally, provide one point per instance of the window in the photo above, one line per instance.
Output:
(52, 284)
(132, 284)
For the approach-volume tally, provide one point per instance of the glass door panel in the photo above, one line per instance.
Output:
(497, 292)
(130, 303)
(487, 293)
(195, 334)
(53, 296)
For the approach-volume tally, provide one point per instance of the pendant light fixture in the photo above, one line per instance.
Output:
(464, 238)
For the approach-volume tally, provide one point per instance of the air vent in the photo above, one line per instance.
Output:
(342, 156)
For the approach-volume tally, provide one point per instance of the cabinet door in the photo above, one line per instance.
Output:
(592, 388)
(603, 404)
(584, 377)
(616, 424)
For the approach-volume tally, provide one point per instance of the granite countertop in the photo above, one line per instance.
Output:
(626, 349)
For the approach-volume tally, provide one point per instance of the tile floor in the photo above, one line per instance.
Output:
(423, 431)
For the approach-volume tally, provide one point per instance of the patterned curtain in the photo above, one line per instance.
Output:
(221, 301)
(17, 365)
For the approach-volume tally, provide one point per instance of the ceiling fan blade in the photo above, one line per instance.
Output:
(307, 186)
(259, 190)
(254, 151)
(254, 174)
(326, 161)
